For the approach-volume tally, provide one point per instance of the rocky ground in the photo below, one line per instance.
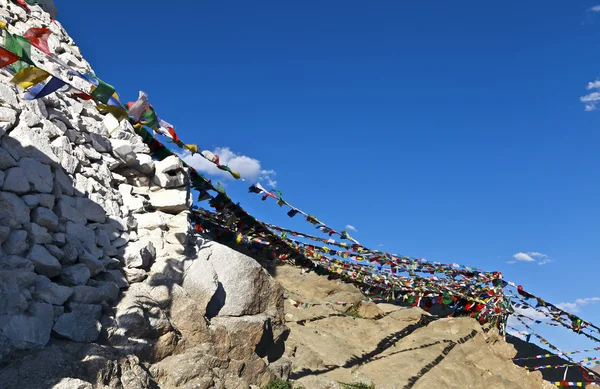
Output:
(389, 346)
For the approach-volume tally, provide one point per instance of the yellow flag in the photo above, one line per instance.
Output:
(192, 148)
(236, 175)
(118, 112)
(29, 77)
(3, 24)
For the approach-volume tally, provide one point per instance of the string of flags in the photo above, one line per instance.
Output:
(471, 291)
(541, 356)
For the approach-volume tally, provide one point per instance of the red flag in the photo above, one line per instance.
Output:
(23, 4)
(7, 57)
(39, 38)
(173, 135)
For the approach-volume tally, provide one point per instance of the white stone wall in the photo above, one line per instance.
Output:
(82, 213)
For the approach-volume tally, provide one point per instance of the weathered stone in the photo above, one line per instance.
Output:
(134, 275)
(68, 212)
(95, 295)
(32, 200)
(8, 118)
(30, 329)
(170, 180)
(13, 282)
(45, 218)
(37, 233)
(8, 95)
(139, 254)
(61, 146)
(122, 150)
(75, 275)
(72, 383)
(69, 163)
(47, 200)
(64, 182)
(45, 263)
(152, 220)
(30, 142)
(170, 200)
(4, 232)
(201, 282)
(91, 210)
(168, 164)
(13, 210)
(92, 262)
(6, 160)
(114, 276)
(144, 164)
(49, 292)
(38, 174)
(16, 243)
(16, 181)
(81, 324)
(55, 251)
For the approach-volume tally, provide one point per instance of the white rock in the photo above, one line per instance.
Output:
(61, 146)
(15, 243)
(13, 210)
(29, 142)
(8, 118)
(45, 263)
(49, 292)
(139, 254)
(144, 164)
(169, 164)
(72, 383)
(38, 174)
(170, 200)
(122, 150)
(16, 181)
(69, 163)
(8, 95)
(75, 275)
(152, 220)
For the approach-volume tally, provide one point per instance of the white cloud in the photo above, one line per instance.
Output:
(531, 313)
(523, 257)
(380, 245)
(351, 228)
(590, 99)
(249, 168)
(544, 261)
(511, 262)
(577, 304)
(536, 254)
(594, 85)
(595, 8)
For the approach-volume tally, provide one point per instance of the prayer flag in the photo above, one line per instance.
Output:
(139, 107)
(39, 38)
(42, 90)
(7, 57)
(29, 76)
(21, 47)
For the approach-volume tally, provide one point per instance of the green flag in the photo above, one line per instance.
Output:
(103, 92)
(21, 47)
(149, 118)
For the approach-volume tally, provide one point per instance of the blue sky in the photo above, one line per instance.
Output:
(449, 132)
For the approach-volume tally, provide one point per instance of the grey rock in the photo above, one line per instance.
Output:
(92, 262)
(122, 150)
(100, 144)
(114, 276)
(75, 275)
(47, 200)
(68, 212)
(85, 235)
(6, 160)
(45, 263)
(13, 210)
(14, 262)
(16, 181)
(134, 275)
(64, 182)
(45, 218)
(69, 163)
(59, 238)
(37, 233)
(4, 231)
(38, 174)
(55, 251)
(49, 292)
(62, 146)
(29, 142)
(15, 243)
(91, 210)
(30, 329)
(2, 175)
(95, 295)
(13, 283)
(32, 200)
(78, 325)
